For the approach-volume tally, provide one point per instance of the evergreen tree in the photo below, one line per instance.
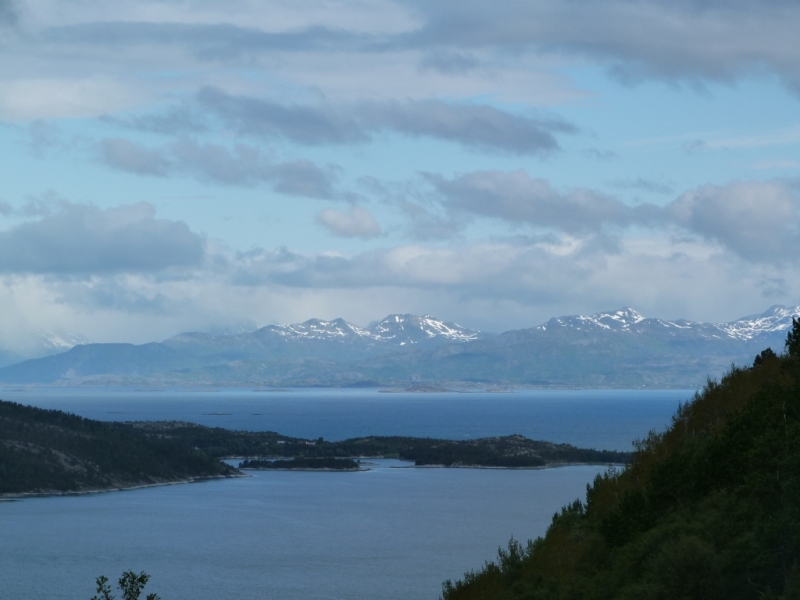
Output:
(793, 339)
(130, 584)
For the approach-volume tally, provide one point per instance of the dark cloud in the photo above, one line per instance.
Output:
(310, 125)
(694, 146)
(774, 287)
(357, 222)
(600, 154)
(216, 42)
(124, 155)
(759, 221)
(448, 62)
(83, 239)
(683, 40)
(688, 40)
(8, 12)
(525, 272)
(111, 294)
(429, 223)
(43, 136)
(303, 178)
(244, 165)
(515, 197)
(643, 185)
(181, 119)
(475, 126)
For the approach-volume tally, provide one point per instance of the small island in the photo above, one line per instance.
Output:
(303, 464)
(510, 451)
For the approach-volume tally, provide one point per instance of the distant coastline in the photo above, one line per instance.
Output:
(11, 497)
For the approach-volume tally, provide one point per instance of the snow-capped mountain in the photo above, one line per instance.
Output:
(617, 320)
(50, 343)
(316, 329)
(40, 344)
(775, 319)
(411, 329)
(397, 330)
(619, 348)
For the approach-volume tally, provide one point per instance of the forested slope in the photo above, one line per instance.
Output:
(505, 451)
(708, 509)
(49, 451)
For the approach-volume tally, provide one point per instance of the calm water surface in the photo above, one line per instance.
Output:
(603, 419)
(393, 533)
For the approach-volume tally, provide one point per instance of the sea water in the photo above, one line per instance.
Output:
(391, 532)
(601, 419)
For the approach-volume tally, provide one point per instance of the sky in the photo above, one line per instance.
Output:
(179, 165)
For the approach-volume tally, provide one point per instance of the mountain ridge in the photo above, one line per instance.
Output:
(619, 348)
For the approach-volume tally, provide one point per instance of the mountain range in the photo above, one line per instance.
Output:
(616, 349)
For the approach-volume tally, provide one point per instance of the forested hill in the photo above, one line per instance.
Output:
(513, 451)
(708, 509)
(49, 451)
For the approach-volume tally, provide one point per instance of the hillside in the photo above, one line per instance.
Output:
(49, 451)
(506, 451)
(615, 349)
(709, 508)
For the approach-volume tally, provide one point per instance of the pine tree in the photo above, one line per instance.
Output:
(793, 339)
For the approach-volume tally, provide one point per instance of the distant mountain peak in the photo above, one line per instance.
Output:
(775, 318)
(413, 329)
(621, 319)
(319, 329)
(60, 342)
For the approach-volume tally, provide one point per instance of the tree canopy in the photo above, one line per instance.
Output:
(707, 509)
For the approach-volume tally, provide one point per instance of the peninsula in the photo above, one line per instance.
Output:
(46, 452)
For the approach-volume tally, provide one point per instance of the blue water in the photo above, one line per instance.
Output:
(389, 533)
(602, 419)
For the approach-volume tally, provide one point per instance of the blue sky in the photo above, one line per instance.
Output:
(185, 165)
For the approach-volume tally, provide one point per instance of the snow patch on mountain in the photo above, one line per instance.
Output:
(776, 318)
(318, 329)
(618, 320)
(51, 343)
(411, 329)
(394, 329)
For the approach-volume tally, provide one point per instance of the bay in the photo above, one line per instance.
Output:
(392, 532)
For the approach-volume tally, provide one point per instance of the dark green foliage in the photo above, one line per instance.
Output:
(49, 451)
(507, 451)
(328, 464)
(708, 509)
(130, 584)
(793, 339)
(763, 356)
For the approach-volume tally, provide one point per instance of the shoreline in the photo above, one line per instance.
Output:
(550, 466)
(11, 497)
(321, 470)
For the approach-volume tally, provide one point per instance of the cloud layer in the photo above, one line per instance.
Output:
(485, 165)
(85, 240)
(244, 165)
